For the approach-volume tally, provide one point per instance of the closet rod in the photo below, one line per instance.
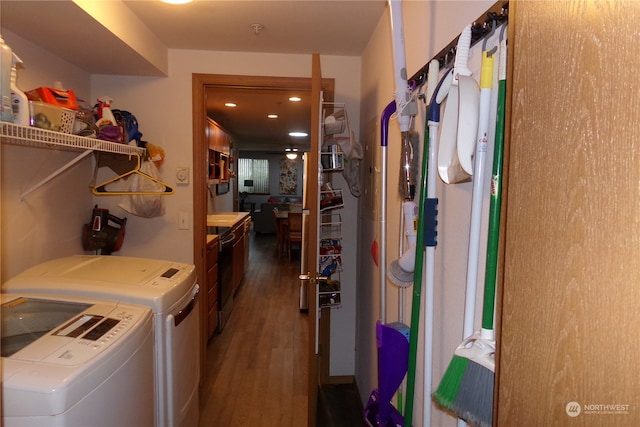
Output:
(496, 14)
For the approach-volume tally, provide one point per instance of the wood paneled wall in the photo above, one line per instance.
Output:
(570, 295)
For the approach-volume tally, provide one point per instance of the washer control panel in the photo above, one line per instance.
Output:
(67, 331)
(91, 334)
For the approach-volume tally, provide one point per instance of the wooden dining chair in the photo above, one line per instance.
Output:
(294, 231)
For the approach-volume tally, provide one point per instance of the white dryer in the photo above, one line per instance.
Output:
(168, 288)
(69, 361)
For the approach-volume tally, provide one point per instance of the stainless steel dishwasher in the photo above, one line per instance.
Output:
(225, 276)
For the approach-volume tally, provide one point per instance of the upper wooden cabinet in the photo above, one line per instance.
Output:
(219, 144)
(218, 138)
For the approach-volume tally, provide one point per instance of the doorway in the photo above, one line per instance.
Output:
(200, 84)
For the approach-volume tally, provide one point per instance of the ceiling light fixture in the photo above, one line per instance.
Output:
(272, 116)
(176, 1)
(295, 99)
(298, 134)
(291, 153)
(230, 104)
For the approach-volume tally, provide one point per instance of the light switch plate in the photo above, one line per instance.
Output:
(183, 220)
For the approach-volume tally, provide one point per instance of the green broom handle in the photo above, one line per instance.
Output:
(495, 201)
(417, 286)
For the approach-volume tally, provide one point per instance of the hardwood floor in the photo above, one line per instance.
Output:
(257, 367)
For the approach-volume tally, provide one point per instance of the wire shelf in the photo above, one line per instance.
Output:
(42, 138)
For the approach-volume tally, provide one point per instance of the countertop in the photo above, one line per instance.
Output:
(226, 219)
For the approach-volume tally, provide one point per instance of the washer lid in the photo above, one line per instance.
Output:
(25, 320)
(155, 283)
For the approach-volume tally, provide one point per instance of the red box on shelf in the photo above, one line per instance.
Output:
(57, 97)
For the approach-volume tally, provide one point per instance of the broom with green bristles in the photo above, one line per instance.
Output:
(474, 402)
(467, 387)
(447, 392)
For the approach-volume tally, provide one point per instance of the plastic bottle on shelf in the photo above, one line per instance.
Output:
(105, 116)
(6, 114)
(19, 101)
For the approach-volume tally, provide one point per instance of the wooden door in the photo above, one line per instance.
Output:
(569, 307)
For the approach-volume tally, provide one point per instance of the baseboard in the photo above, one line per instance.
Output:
(341, 379)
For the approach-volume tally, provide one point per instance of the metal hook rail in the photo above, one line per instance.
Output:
(482, 27)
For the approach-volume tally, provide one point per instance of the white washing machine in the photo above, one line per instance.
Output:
(168, 288)
(70, 361)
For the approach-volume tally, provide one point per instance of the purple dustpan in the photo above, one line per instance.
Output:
(393, 358)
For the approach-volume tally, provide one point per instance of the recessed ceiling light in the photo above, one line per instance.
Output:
(295, 99)
(176, 1)
(230, 104)
(298, 134)
(272, 116)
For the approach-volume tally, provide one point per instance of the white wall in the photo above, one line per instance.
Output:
(163, 109)
(428, 27)
(48, 222)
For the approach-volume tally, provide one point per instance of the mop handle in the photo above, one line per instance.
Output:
(479, 173)
(384, 140)
(426, 236)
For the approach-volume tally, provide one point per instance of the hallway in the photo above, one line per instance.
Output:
(257, 368)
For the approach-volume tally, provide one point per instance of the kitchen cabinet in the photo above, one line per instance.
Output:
(218, 167)
(218, 138)
(212, 285)
(219, 143)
